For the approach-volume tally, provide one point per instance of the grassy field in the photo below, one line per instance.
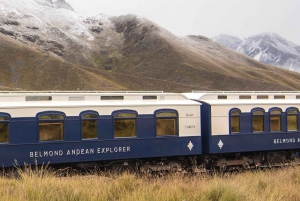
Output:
(279, 184)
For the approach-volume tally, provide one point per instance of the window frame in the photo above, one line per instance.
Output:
(280, 118)
(297, 120)
(6, 115)
(49, 113)
(87, 119)
(263, 115)
(124, 118)
(230, 120)
(167, 117)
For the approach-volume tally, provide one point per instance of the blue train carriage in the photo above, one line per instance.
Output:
(249, 129)
(104, 129)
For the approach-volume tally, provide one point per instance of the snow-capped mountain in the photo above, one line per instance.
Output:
(46, 45)
(52, 26)
(228, 41)
(269, 48)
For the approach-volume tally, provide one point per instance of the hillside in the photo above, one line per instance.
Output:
(61, 50)
(24, 68)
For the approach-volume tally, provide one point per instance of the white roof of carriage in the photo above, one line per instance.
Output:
(245, 97)
(92, 98)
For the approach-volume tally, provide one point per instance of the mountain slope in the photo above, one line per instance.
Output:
(228, 41)
(45, 45)
(24, 68)
(269, 48)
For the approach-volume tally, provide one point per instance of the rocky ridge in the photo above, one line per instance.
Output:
(269, 48)
(46, 45)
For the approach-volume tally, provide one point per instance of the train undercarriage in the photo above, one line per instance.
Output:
(193, 164)
(252, 160)
(204, 163)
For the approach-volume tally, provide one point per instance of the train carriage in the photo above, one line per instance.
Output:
(79, 127)
(249, 128)
(153, 131)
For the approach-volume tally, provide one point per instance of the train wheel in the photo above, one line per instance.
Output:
(246, 165)
(223, 167)
(175, 167)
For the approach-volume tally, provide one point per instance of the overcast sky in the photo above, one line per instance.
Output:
(241, 18)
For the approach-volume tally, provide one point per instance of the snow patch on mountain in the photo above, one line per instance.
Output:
(52, 26)
(229, 41)
(48, 13)
(269, 48)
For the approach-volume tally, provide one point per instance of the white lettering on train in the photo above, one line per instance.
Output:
(77, 152)
(286, 141)
(113, 150)
(40, 154)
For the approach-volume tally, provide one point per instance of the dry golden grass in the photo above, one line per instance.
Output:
(280, 184)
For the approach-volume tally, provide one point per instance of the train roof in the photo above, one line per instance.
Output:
(95, 98)
(245, 97)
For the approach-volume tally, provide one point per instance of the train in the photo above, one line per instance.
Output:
(150, 131)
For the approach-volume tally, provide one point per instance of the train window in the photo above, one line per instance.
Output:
(149, 97)
(244, 97)
(76, 98)
(262, 97)
(51, 127)
(112, 97)
(89, 125)
(258, 120)
(166, 123)
(292, 120)
(235, 120)
(275, 120)
(4, 129)
(38, 98)
(125, 125)
(279, 97)
(222, 97)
